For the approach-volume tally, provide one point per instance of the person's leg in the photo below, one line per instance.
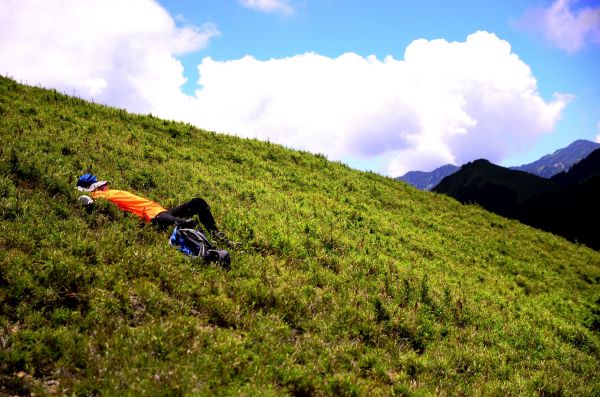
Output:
(195, 206)
(166, 219)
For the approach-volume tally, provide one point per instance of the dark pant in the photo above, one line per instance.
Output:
(178, 215)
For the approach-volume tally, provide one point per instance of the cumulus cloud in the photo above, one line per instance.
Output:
(333, 106)
(280, 6)
(564, 25)
(120, 53)
(444, 102)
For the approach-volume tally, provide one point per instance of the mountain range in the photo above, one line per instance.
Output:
(424, 180)
(546, 167)
(561, 160)
(565, 204)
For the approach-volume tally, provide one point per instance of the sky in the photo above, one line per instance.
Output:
(388, 86)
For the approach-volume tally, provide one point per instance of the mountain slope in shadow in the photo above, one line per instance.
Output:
(495, 188)
(565, 204)
(572, 211)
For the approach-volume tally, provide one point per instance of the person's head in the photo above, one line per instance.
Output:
(89, 183)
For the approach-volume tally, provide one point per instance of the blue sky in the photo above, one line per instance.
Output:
(333, 27)
(389, 86)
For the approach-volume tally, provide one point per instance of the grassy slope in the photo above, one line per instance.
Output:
(346, 283)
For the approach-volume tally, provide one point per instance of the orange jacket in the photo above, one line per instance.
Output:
(126, 201)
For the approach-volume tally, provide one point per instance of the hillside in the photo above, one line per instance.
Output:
(566, 204)
(495, 188)
(345, 283)
(581, 172)
(572, 211)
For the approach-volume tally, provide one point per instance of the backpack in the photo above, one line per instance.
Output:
(194, 243)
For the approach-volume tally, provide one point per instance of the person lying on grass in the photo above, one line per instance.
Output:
(149, 210)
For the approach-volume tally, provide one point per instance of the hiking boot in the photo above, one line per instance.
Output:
(221, 237)
(217, 235)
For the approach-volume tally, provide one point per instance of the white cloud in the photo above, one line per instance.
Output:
(121, 53)
(445, 102)
(565, 26)
(598, 136)
(280, 6)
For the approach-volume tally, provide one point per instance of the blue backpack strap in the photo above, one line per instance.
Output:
(177, 240)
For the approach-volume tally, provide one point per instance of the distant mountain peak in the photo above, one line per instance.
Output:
(480, 162)
(428, 180)
(560, 160)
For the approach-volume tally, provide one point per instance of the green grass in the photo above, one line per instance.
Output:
(345, 283)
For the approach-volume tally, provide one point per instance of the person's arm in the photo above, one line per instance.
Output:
(85, 200)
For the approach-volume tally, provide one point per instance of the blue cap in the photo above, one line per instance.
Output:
(86, 180)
